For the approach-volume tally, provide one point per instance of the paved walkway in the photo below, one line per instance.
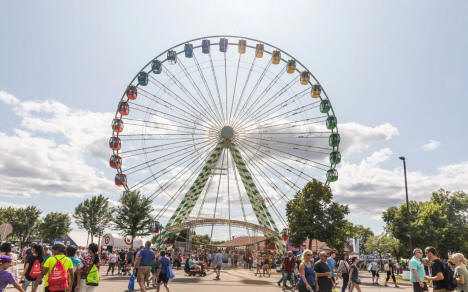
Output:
(231, 281)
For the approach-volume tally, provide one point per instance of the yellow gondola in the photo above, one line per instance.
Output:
(316, 90)
(276, 57)
(305, 77)
(291, 67)
(242, 46)
(259, 51)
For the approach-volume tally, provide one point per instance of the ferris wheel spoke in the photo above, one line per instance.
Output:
(216, 84)
(199, 106)
(278, 152)
(252, 92)
(253, 111)
(284, 115)
(193, 110)
(173, 118)
(289, 167)
(226, 86)
(234, 170)
(207, 87)
(235, 86)
(262, 111)
(167, 104)
(180, 162)
(199, 92)
(294, 146)
(144, 123)
(228, 193)
(210, 181)
(244, 87)
(288, 124)
(175, 178)
(164, 157)
(262, 94)
(157, 148)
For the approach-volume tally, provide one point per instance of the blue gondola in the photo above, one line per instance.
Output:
(188, 49)
(143, 78)
(156, 66)
(172, 57)
(205, 46)
(223, 44)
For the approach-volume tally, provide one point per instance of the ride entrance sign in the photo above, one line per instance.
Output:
(5, 230)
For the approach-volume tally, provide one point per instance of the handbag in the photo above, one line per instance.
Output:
(170, 273)
(131, 283)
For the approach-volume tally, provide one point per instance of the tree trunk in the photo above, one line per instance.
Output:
(87, 239)
(310, 243)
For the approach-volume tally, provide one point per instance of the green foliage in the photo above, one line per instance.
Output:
(54, 225)
(93, 215)
(441, 222)
(133, 216)
(23, 220)
(382, 244)
(312, 214)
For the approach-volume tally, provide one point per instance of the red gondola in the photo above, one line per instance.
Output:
(114, 143)
(115, 161)
(124, 108)
(117, 125)
(120, 179)
(132, 92)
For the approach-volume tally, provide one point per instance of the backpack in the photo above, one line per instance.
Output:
(93, 277)
(449, 280)
(35, 270)
(58, 277)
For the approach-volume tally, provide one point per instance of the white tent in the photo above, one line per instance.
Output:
(116, 241)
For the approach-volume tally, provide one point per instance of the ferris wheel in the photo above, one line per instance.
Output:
(223, 131)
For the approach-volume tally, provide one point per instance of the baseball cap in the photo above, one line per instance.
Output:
(5, 259)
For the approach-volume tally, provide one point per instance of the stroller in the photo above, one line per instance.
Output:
(192, 272)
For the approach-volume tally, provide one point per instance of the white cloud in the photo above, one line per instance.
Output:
(356, 137)
(4, 204)
(431, 145)
(8, 98)
(370, 188)
(56, 164)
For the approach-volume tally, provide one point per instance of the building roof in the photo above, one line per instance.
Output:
(244, 241)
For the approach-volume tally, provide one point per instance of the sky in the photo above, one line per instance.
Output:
(395, 71)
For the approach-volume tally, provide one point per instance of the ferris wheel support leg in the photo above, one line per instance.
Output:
(258, 203)
(191, 197)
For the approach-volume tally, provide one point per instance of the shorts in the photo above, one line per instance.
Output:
(417, 288)
(46, 289)
(144, 272)
(163, 278)
(154, 270)
(218, 267)
(374, 273)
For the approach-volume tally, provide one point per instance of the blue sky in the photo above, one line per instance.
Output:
(396, 73)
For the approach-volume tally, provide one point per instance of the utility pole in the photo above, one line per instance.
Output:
(407, 207)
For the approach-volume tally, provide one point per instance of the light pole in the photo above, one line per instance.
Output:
(407, 207)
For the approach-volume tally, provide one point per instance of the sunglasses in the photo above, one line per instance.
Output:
(308, 255)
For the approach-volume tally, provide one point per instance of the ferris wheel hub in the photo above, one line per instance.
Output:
(227, 132)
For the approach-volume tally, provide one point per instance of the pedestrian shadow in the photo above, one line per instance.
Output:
(186, 280)
(255, 282)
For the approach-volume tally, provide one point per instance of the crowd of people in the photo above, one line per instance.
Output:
(77, 269)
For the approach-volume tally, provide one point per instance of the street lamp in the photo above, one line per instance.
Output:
(407, 207)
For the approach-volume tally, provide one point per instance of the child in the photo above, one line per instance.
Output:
(5, 276)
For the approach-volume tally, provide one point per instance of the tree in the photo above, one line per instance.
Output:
(382, 244)
(312, 214)
(93, 215)
(133, 216)
(441, 222)
(54, 225)
(23, 221)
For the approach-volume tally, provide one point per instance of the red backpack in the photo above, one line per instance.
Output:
(58, 277)
(35, 270)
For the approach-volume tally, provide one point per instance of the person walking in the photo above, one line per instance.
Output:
(324, 283)
(36, 255)
(218, 263)
(343, 271)
(331, 264)
(70, 252)
(461, 273)
(391, 273)
(162, 275)
(417, 272)
(91, 259)
(287, 268)
(354, 280)
(58, 254)
(437, 271)
(308, 278)
(145, 258)
(375, 272)
(7, 277)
